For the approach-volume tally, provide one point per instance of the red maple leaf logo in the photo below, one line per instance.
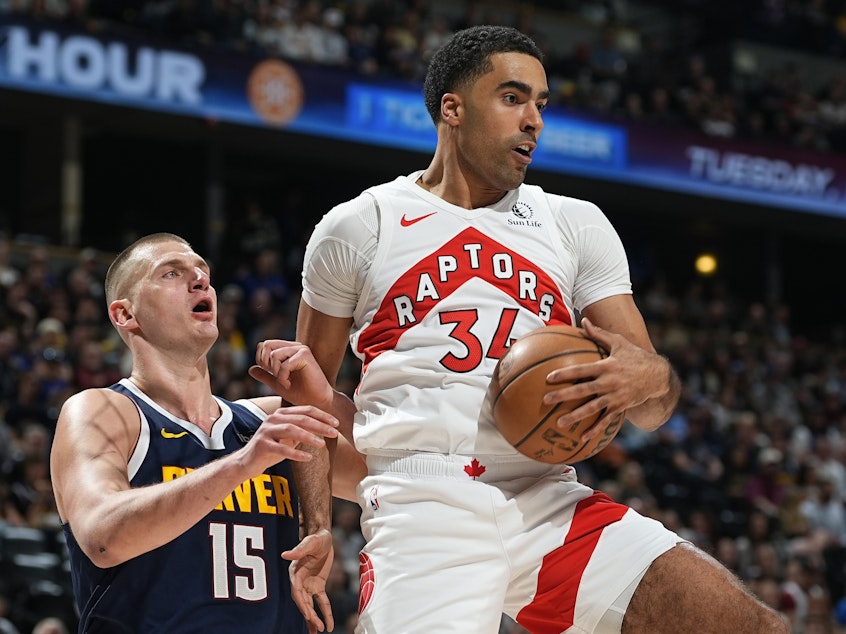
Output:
(474, 469)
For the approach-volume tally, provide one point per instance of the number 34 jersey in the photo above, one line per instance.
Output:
(438, 293)
(225, 573)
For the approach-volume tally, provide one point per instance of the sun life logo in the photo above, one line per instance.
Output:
(522, 210)
(522, 216)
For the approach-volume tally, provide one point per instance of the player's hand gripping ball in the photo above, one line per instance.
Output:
(519, 384)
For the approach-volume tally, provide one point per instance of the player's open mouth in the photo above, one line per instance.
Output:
(525, 151)
(202, 307)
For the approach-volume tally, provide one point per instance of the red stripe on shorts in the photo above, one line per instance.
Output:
(554, 606)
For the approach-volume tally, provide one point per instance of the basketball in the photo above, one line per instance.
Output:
(519, 383)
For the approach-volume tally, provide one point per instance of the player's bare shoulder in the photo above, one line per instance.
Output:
(92, 424)
(100, 411)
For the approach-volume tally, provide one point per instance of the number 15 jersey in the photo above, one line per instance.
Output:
(225, 573)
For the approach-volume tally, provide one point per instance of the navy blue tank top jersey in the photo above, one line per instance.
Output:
(225, 574)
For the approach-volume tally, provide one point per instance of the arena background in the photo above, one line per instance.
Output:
(144, 173)
(121, 171)
(138, 171)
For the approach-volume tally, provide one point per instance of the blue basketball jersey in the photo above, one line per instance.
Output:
(225, 573)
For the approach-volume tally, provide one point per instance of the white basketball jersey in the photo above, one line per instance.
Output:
(448, 290)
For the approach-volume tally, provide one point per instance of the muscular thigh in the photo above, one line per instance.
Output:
(686, 590)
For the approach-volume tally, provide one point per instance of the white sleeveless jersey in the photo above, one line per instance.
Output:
(446, 291)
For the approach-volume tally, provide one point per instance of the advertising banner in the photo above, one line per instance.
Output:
(326, 102)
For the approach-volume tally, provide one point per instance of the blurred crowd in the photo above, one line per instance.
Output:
(621, 65)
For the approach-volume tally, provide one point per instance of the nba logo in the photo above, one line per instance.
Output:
(374, 501)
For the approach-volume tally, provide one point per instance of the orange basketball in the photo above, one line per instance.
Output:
(519, 384)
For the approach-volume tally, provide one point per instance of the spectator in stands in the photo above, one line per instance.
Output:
(257, 231)
(435, 35)
(362, 51)
(265, 274)
(403, 40)
(718, 117)
(91, 368)
(633, 490)
(28, 404)
(301, 38)
(263, 30)
(50, 335)
(12, 362)
(830, 459)
(54, 374)
(50, 625)
(9, 515)
(348, 537)
(38, 279)
(231, 303)
(608, 64)
(343, 595)
(32, 493)
(765, 489)
(334, 48)
(21, 313)
(823, 510)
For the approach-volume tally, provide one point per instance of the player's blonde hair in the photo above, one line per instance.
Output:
(122, 273)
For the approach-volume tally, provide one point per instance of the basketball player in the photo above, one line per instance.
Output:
(434, 274)
(177, 504)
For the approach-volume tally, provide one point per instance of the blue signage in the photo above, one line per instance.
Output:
(243, 89)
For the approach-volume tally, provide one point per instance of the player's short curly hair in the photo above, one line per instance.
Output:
(467, 56)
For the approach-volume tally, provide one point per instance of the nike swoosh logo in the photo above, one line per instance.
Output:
(167, 434)
(407, 222)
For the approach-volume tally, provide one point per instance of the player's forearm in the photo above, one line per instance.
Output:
(127, 523)
(657, 409)
(343, 408)
(314, 488)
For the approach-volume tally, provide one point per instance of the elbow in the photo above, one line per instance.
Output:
(105, 563)
(646, 423)
(103, 550)
(102, 556)
(652, 415)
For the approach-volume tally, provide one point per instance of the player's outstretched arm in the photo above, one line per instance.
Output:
(291, 370)
(96, 433)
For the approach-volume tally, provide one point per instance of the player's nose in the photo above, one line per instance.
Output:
(532, 119)
(201, 279)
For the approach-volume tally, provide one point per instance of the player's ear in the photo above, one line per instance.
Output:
(450, 108)
(121, 314)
